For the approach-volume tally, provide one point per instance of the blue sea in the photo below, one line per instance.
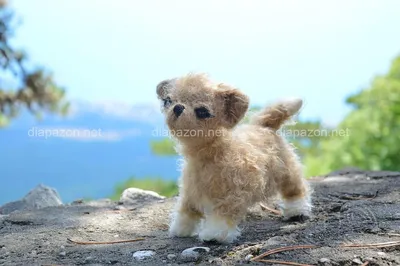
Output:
(78, 168)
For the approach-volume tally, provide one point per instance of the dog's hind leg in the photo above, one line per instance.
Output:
(185, 219)
(295, 194)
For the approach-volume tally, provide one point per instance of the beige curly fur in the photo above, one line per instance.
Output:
(228, 168)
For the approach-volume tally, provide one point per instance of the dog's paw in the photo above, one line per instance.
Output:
(226, 236)
(218, 230)
(296, 210)
(183, 226)
(175, 231)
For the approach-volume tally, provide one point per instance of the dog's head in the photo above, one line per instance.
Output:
(196, 107)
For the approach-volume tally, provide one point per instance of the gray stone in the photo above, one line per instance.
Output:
(39, 197)
(88, 259)
(137, 195)
(171, 256)
(143, 254)
(324, 260)
(357, 261)
(194, 253)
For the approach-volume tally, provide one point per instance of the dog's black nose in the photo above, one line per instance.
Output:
(178, 109)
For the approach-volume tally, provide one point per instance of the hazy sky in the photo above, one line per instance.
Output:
(119, 50)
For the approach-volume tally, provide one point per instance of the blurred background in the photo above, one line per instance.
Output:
(79, 112)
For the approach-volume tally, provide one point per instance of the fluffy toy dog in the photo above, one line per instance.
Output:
(227, 168)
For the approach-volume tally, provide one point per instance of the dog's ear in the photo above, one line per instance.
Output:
(234, 105)
(164, 87)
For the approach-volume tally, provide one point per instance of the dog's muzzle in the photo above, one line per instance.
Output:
(178, 109)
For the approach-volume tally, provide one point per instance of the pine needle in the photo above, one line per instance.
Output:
(104, 243)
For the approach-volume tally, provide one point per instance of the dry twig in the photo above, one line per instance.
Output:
(376, 245)
(389, 234)
(284, 262)
(266, 208)
(104, 243)
(277, 250)
(260, 258)
(360, 197)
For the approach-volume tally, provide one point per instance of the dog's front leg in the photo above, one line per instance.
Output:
(185, 219)
(220, 224)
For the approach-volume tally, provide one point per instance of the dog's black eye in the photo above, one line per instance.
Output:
(167, 102)
(202, 113)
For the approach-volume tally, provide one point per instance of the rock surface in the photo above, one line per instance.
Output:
(359, 207)
(40, 197)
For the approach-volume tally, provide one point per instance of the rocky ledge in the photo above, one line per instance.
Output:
(351, 207)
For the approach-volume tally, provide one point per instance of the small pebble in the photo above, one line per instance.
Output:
(116, 236)
(88, 259)
(194, 253)
(248, 257)
(324, 260)
(143, 254)
(357, 261)
(381, 253)
(171, 256)
(34, 253)
(63, 253)
(217, 261)
(375, 230)
(62, 247)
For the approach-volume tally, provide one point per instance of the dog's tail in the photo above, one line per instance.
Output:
(275, 115)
